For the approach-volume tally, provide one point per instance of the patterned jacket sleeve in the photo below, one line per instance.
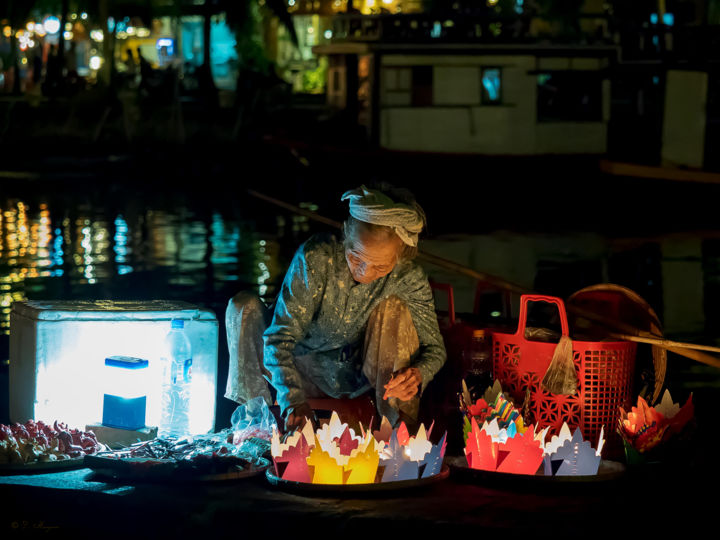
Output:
(294, 310)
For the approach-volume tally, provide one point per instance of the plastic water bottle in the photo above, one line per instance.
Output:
(177, 375)
(479, 374)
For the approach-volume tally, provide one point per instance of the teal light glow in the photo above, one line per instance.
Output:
(121, 249)
(57, 251)
(437, 30)
(491, 83)
(222, 43)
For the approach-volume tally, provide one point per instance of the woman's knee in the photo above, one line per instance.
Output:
(393, 306)
(392, 320)
(245, 304)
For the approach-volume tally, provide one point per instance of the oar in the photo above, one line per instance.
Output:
(623, 331)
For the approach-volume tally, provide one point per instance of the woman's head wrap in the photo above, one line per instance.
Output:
(372, 206)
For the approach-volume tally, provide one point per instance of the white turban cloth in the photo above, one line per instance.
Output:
(372, 206)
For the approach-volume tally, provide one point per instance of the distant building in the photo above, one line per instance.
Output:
(635, 82)
(666, 94)
(511, 99)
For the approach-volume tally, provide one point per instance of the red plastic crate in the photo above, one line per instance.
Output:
(605, 373)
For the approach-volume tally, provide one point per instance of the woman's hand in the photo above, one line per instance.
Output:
(298, 416)
(404, 384)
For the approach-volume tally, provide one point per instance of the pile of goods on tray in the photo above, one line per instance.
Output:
(242, 450)
(210, 454)
(497, 440)
(38, 442)
(335, 455)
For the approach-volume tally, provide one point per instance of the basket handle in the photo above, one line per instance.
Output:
(525, 298)
(451, 298)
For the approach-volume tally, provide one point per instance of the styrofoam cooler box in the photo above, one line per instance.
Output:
(58, 351)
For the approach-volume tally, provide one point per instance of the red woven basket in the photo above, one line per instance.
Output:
(605, 373)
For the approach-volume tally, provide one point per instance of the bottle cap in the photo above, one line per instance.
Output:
(126, 362)
(177, 323)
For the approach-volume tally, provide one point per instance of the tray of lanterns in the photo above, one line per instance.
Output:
(335, 459)
(499, 446)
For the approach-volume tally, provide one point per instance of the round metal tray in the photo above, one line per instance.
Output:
(155, 470)
(39, 467)
(608, 471)
(340, 489)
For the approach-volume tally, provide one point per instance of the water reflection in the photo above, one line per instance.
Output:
(90, 255)
(15, 244)
(68, 252)
(143, 249)
(121, 248)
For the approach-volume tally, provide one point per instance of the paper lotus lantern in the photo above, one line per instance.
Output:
(290, 457)
(334, 454)
(569, 455)
(492, 406)
(504, 444)
(492, 448)
(645, 427)
(480, 407)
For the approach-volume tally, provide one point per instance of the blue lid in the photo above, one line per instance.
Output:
(177, 323)
(126, 362)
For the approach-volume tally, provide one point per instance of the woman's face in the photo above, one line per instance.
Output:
(372, 256)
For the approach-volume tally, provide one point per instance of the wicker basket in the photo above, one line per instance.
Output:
(615, 302)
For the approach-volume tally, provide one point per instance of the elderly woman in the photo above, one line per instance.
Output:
(350, 316)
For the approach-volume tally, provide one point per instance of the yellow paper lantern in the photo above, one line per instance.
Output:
(325, 468)
(362, 467)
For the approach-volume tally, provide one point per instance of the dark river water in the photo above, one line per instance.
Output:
(191, 232)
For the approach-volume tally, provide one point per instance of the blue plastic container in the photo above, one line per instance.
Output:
(125, 398)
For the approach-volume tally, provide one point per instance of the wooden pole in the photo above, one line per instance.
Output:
(295, 209)
(469, 272)
(666, 343)
(697, 356)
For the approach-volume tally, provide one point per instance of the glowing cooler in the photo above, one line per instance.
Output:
(58, 352)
